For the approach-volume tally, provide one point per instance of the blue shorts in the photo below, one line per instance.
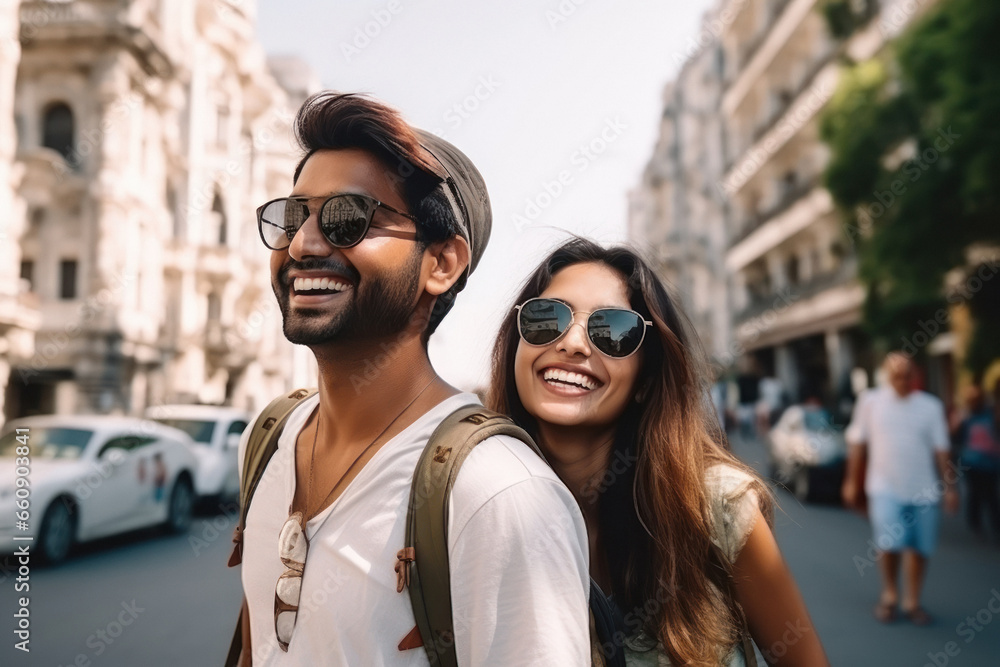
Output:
(897, 525)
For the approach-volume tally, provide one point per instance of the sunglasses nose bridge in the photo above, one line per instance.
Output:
(572, 340)
(308, 240)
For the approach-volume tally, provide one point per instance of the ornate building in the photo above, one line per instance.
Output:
(148, 132)
(19, 317)
(677, 210)
(794, 301)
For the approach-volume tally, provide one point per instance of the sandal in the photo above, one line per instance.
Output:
(919, 617)
(885, 612)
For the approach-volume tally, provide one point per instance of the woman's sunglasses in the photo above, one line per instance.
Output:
(343, 219)
(616, 332)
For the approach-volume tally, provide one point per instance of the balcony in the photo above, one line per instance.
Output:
(783, 298)
(753, 222)
(98, 22)
(791, 96)
(750, 49)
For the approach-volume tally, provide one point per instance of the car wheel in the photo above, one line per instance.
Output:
(801, 485)
(56, 534)
(181, 506)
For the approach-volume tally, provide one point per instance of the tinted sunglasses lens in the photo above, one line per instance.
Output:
(543, 320)
(345, 218)
(280, 220)
(616, 333)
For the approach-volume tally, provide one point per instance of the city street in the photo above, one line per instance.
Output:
(143, 600)
(160, 601)
(828, 551)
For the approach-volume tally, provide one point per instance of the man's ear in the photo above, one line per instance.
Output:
(444, 263)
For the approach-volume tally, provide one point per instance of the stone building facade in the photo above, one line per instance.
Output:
(148, 132)
(790, 273)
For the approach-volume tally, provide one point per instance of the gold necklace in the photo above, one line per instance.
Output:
(312, 455)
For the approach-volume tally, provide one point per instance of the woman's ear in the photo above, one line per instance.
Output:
(444, 263)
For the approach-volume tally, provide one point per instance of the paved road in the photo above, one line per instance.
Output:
(160, 601)
(828, 551)
(147, 600)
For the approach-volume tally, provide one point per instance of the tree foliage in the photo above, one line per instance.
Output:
(915, 160)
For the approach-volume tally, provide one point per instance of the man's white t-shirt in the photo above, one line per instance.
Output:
(902, 434)
(516, 544)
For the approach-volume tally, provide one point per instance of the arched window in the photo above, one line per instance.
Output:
(220, 213)
(57, 131)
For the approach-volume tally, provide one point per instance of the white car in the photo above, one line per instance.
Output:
(92, 476)
(808, 453)
(216, 432)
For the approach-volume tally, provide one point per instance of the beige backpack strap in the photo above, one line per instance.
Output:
(424, 559)
(261, 445)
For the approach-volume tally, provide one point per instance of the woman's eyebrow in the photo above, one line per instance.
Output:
(572, 307)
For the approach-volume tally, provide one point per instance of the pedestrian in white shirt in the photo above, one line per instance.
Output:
(382, 227)
(902, 433)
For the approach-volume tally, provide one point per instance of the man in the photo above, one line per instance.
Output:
(382, 227)
(979, 450)
(903, 434)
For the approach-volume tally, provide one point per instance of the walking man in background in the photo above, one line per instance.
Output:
(902, 433)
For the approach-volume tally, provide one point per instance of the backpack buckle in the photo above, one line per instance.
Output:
(403, 559)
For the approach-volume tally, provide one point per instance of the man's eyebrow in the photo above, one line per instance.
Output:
(294, 195)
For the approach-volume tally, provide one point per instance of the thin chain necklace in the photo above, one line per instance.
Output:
(312, 455)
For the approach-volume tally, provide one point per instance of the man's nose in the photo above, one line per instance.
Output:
(309, 240)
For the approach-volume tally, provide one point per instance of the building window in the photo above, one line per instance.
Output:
(220, 215)
(57, 131)
(792, 271)
(222, 125)
(67, 279)
(36, 218)
(214, 307)
(28, 274)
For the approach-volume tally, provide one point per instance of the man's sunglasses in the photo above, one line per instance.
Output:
(343, 219)
(616, 332)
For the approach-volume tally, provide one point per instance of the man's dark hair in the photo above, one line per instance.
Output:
(330, 120)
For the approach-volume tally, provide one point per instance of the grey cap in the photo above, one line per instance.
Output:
(462, 184)
(466, 192)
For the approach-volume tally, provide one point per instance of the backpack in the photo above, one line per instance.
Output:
(422, 564)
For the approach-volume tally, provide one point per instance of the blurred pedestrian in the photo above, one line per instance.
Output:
(902, 434)
(770, 404)
(748, 385)
(979, 455)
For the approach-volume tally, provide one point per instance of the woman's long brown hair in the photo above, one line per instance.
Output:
(668, 577)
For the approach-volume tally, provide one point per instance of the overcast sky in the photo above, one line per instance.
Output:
(531, 91)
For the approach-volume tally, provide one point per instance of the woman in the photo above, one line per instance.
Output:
(679, 529)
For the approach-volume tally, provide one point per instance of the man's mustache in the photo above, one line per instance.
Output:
(317, 264)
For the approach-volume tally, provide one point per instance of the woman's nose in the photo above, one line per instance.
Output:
(575, 341)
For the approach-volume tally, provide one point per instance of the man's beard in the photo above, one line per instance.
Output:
(376, 307)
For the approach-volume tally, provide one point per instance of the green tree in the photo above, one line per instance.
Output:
(915, 144)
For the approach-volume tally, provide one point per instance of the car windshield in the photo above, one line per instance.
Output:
(48, 443)
(198, 429)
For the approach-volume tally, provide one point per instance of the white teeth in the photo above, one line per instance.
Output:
(579, 379)
(306, 284)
